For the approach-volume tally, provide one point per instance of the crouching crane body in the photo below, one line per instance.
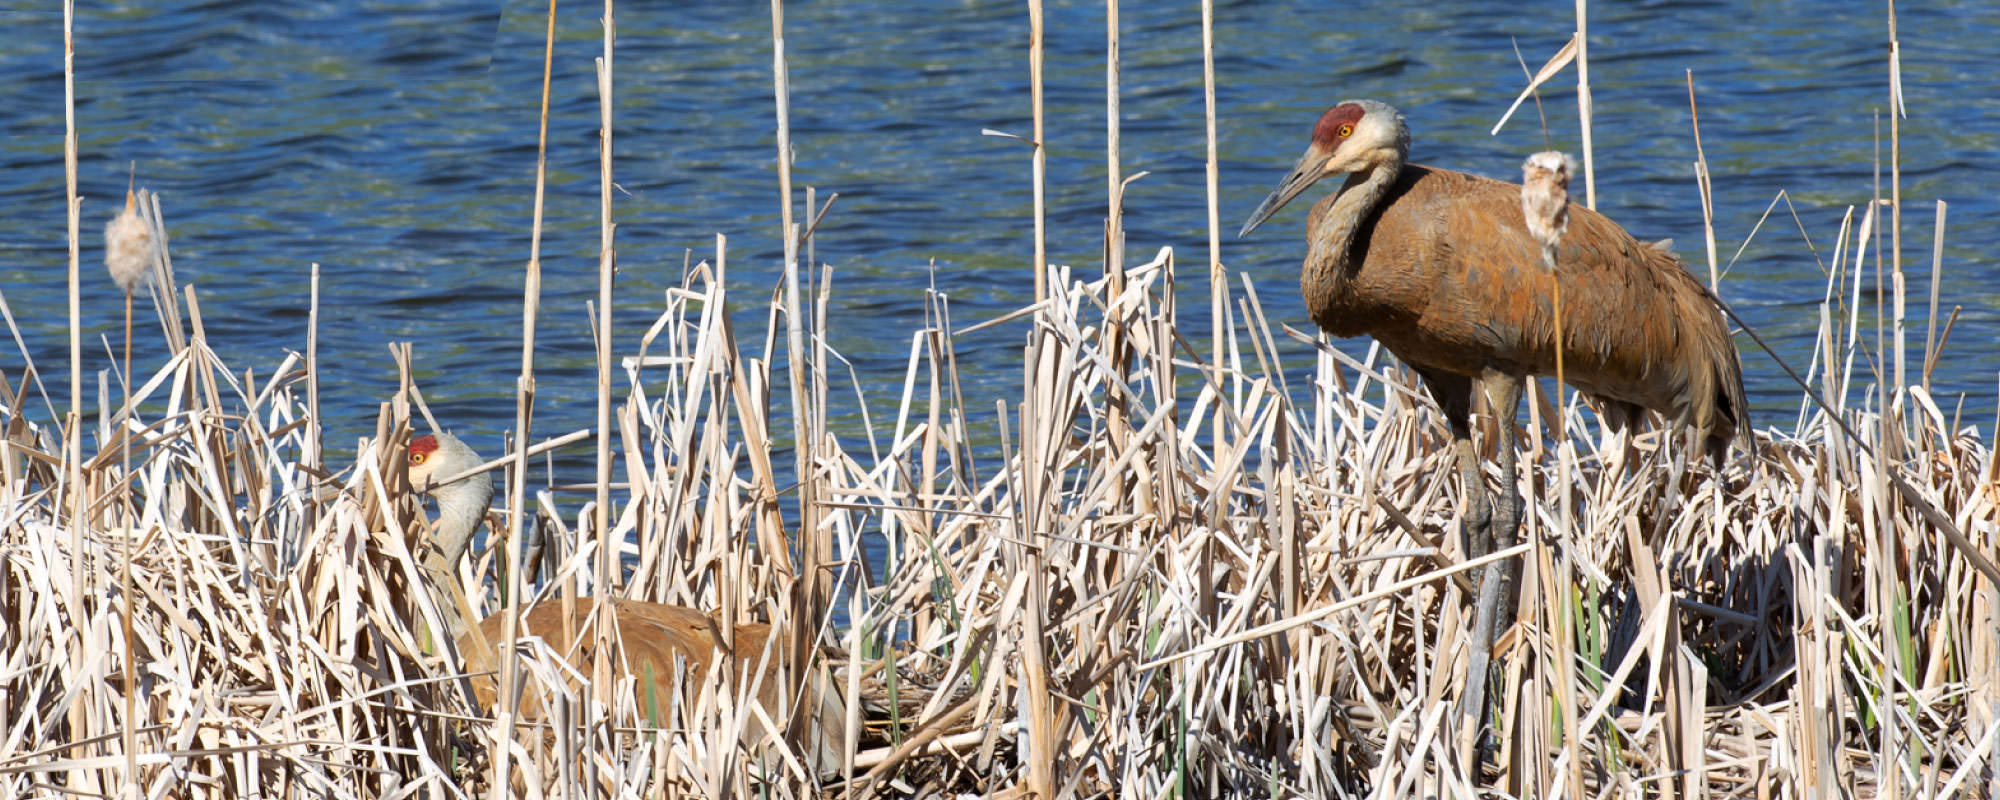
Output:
(664, 646)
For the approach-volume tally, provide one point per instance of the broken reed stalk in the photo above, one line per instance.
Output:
(1707, 192)
(315, 440)
(1937, 276)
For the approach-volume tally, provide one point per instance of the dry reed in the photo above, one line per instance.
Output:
(1259, 609)
(1806, 607)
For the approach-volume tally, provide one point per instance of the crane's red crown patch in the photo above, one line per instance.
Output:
(1327, 130)
(423, 444)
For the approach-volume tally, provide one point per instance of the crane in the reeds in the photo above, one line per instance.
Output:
(1441, 268)
(664, 646)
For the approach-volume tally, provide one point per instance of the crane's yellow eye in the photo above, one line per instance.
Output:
(1346, 130)
(417, 458)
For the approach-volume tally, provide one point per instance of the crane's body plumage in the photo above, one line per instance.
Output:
(1462, 278)
(675, 645)
(1445, 274)
(665, 646)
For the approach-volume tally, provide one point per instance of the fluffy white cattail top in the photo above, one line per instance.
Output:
(1545, 199)
(128, 245)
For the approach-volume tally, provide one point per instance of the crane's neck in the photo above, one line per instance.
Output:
(461, 509)
(1329, 256)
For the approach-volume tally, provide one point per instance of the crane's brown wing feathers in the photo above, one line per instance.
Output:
(671, 644)
(1447, 276)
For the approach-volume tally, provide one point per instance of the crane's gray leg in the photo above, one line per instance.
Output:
(1503, 399)
(1454, 396)
(1498, 596)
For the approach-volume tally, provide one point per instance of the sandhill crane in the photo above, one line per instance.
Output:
(664, 646)
(1440, 267)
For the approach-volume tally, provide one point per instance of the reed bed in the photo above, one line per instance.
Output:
(1272, 611)
(1163, 568)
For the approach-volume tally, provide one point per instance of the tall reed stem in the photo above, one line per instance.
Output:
(73, 427)
(1041, 151)
(810, 601)
(72, 435)
(524, 406)
(1114, 171)
(1115, 411)
(1896, 186)
(1218, 306)
(1041, 717)
(607, 267)
(1583, 107)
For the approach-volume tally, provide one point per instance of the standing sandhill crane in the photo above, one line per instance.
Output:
(1439, 267)
(665, 646)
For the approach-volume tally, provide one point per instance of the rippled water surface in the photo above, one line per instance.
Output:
(393, 143)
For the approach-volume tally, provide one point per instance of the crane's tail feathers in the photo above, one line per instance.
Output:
(1727, 415)
(1713, 399)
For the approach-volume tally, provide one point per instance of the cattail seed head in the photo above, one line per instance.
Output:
(1545, 197)
(128, 245)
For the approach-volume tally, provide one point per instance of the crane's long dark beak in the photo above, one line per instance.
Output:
(1303, 175)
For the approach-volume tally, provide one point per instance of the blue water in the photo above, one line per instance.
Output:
(394, 145)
